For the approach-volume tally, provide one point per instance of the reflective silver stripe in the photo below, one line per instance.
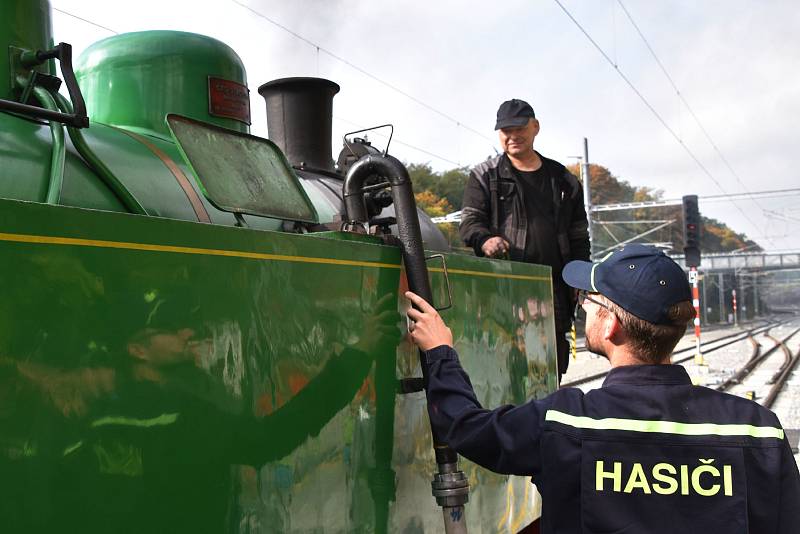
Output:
(594, 266)
(664, 427)
(161, 420)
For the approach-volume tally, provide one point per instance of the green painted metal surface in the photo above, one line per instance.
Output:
(26, 150)
(133, 80)
(158, 375)
(24, 24)
(166, 376)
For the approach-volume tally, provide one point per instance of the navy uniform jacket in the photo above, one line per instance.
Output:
(646, 453)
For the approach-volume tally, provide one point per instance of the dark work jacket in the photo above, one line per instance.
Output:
(647, 452)
(476, 220)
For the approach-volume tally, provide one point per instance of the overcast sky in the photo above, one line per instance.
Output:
(736, 63)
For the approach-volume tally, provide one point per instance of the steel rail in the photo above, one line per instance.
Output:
(782, 376)
(754, 362)
(787, 359)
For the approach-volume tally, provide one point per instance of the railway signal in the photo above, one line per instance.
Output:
(692, 226)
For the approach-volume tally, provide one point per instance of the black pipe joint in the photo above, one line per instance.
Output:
(388, 167)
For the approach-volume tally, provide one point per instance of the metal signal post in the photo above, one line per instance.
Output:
(698, 355)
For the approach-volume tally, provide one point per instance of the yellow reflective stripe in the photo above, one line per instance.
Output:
(148, 247)
(491, 275)
(74, 241)
(664, 427)
(161, 420)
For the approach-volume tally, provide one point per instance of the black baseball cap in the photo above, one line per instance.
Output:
(513, 113)
(639, 278)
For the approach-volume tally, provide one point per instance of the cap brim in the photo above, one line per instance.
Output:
(578, 274)
(513, 122)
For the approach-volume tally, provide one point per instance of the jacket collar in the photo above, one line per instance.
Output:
(638, 375)
(506, 171)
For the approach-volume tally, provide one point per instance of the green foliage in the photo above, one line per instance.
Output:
(436, 206)
(440, 193)
(448, 185)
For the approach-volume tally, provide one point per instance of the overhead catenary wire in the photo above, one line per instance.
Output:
(85, 20)
(408, 145)
(652, 109)
(399, 142)
(366, 73)
(685, 103)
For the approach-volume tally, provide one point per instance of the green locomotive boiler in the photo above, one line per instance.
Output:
(202, 331)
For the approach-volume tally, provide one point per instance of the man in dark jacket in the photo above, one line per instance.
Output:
(648, 451)
(525, 207)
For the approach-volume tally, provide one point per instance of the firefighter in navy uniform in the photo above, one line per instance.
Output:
(648, 452)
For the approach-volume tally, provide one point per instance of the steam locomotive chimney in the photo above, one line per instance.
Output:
(299, 116)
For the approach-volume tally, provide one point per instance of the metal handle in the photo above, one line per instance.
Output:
(62, 52)
(386, 150)
(446, 281)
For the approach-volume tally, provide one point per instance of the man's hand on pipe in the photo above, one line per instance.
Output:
(427, 329)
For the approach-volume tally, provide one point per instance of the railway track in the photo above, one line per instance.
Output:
(710, 347)
(758, 359)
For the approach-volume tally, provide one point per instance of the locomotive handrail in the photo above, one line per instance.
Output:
(53, 194)
(117, 187)
(446, 281)
(347, 144)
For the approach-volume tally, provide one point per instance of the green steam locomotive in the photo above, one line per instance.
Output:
(201, 330)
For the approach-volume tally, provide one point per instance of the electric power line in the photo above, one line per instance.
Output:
(85, 20)
(652, 109)
(413, 147)
(685, 103)
(399, 142)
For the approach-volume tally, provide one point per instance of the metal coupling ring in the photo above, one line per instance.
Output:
(450, 489)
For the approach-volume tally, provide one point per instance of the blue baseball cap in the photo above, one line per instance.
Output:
(638, 278)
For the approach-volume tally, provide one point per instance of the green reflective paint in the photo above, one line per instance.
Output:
(72, 448)
(24, 24)
(134, 79)
(664, 427)
(279, 355)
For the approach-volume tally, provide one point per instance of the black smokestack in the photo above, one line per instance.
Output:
(299, 116)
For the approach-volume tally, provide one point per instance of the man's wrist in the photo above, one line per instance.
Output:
(442, 352)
